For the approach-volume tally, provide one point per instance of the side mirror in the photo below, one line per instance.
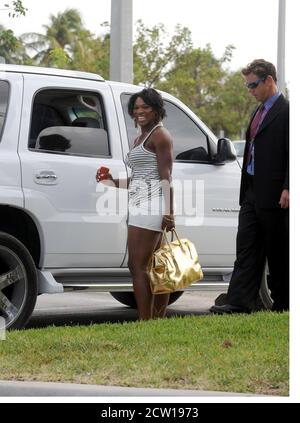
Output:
(225, 152)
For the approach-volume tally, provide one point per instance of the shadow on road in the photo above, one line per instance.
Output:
(86, 308)
(123, 314)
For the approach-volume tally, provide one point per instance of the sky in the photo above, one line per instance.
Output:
(250, 26)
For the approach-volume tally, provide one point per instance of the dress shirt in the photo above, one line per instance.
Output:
(267, 106)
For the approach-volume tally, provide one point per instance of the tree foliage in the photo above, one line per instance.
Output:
(167, 62)
(12, 50)
(154, 53)
(196, 78)
(236, 105)
(66, 43)
(15, 8)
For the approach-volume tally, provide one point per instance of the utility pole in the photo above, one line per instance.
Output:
(121, 52)
(281, 46)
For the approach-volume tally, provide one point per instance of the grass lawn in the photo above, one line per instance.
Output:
(237, 353)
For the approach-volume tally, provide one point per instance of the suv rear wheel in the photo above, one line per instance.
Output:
(265, 293)
(127, 298)
(18, 282)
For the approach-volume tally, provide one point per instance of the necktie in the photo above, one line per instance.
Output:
(253, 130)
(256, 121)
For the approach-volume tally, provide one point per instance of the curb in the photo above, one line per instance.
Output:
(54, 389)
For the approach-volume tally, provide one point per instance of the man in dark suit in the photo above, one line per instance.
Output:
(263, 230)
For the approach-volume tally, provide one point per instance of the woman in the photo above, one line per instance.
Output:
(150, 196)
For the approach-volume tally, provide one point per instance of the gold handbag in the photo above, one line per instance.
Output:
(174, 266)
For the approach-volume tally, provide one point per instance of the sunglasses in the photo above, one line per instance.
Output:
(255, 84)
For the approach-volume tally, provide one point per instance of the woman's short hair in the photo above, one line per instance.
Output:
(151, 97)
(260, 68)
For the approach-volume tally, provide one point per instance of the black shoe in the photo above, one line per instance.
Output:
(228, 309)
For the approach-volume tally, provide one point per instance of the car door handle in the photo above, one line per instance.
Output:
(46, 177)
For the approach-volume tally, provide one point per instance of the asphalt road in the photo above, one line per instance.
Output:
(80, 307)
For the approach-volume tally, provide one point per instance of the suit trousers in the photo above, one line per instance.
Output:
(262, 234)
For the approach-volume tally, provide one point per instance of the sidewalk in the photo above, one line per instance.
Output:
(50, 389)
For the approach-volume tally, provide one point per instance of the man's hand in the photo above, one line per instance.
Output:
(284, 199)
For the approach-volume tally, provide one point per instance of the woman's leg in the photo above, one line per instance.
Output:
(160, 304)
(141, 245)
(160, 301)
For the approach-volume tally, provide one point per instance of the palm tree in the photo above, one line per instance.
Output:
(11, 48)
(62, 33)
(66, 43)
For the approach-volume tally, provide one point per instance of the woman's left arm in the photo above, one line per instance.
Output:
(163, 145)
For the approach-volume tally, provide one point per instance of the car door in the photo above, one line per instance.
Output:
(206, 194)
(11, 86)
(69, 128)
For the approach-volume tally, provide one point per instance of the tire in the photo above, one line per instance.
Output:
(265, 293)
(127, 298)
(18, 282)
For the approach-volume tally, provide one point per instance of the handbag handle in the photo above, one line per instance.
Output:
(168, 242)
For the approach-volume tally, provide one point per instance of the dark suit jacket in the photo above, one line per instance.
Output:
(271, 156)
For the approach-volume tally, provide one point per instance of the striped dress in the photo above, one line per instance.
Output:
(145, 183)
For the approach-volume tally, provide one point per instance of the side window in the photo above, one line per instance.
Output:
(4, 91)
(190, 143)
(69, 122)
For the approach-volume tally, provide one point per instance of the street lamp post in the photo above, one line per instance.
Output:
(121, 52)
(281, 46)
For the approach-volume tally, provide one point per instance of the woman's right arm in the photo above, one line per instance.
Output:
(110, 181)
(121, 183)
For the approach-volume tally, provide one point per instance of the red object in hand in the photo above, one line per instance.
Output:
(103, 172)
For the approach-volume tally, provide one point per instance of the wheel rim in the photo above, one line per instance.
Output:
(265, 292)
(13, 286)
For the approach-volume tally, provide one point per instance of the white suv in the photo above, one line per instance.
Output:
(56, 230)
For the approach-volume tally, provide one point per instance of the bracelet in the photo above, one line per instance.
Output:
(168, 218)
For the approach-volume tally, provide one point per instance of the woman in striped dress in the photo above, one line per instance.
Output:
(150, 196)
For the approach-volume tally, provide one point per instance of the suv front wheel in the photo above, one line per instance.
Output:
(18, 282)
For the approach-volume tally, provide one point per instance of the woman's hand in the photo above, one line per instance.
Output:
(103, 174)
(168, 222)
